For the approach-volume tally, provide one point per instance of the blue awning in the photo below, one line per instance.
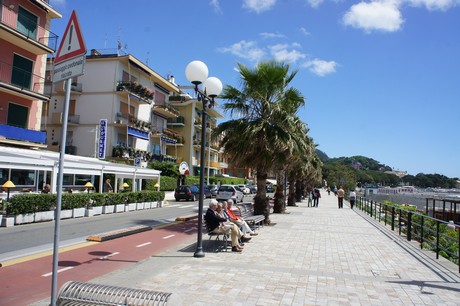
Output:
(138, 134)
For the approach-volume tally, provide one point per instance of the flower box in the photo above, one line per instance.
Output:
(24, 218)
(119, 208)
(97, 210)
(147, 205)
(8, 221)
(140, 206)
(130, 207)
(78, 212)
(42, 216)
(108, 209)
(66, 213)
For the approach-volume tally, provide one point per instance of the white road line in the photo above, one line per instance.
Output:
(107, 256)
(58, 271)
(167, 237)
(189, 230)
(187, 206)
(143, 245)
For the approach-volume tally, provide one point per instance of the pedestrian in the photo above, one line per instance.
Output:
(107, 186)
(340, 194)
(328, 190)
(352, 198)
(317, 197)
(46, 189)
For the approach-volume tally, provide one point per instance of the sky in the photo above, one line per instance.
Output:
(380, 78)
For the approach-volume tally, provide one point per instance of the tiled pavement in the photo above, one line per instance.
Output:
(308, 256)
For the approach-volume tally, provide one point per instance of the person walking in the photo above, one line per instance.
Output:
(352, 198)
(317, 196)
(108, 186)
(340, 194)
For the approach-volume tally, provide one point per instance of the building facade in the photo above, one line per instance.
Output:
(26, 41)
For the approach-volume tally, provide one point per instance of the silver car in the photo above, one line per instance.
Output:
(226, 192)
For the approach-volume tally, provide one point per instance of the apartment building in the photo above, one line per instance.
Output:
(142, 120)
(26, 42)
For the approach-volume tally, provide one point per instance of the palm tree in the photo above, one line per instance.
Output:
(264, 124)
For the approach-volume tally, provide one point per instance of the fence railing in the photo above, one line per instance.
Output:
(433, 234)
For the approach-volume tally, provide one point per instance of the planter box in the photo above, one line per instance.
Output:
(66, 213)
(97, 210)
(140, 206)
(7, 221)
(78, 212)
(130, 207)
(147, 205)
(119, 208)
(24, 218)
(108, 209)
(42, 216)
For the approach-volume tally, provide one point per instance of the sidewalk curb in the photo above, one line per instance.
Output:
(119, 233)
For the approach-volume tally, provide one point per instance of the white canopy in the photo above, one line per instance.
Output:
(24, 159)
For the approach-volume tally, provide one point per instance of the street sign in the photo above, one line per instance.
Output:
(137, 162)
(71, 55)
(102, 138)
(72, 43)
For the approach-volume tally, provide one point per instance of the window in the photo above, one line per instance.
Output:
(17, 115)
(160, 98)
(156, 148)
(23, 177)
(27, 23)
(126, 77)
(127, 110)
(22, 71)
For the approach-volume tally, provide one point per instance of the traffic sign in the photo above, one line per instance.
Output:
(72, 43)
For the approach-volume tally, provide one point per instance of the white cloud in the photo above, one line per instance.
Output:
(441, 5)
(267, 35)
(370, 16)
(258, 6)
(315, 3)
(320, 67)
(304, 31)
(245, 49)
(216, 5)
(281, 52)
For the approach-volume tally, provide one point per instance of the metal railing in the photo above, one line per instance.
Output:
(434, 234)
(21, 78)
(29, 28)
(78, 293)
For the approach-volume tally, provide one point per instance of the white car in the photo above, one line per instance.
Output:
(244, 189)
(226, 192)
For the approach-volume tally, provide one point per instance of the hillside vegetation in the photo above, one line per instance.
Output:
(357, 171)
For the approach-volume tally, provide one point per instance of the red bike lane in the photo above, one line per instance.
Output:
(30, 281)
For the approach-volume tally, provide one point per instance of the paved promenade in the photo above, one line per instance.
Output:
(309, 256)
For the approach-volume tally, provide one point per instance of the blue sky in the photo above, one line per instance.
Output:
(380, 78)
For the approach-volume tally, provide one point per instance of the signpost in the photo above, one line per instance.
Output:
(102, 138)
(69, 62)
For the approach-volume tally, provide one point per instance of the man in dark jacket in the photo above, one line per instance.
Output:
(219, 225)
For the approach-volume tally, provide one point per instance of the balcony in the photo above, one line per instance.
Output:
(56, 118)
(74, 87)
(25, 33)
(136, 91)
(178, 121)
(130, 153)
(166, 110)
(21, 83)
(21, 134)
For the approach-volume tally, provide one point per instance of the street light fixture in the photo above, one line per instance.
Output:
(197, 73)
(8, 185)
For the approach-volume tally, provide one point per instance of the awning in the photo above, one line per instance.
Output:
(138, 134)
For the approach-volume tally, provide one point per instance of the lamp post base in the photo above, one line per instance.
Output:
(198, 253)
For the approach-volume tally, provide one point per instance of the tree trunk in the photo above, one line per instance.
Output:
(278, 207)
(292, 195)
(261, 206)
(299, 190)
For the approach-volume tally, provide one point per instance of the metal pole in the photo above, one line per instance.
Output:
(199, 244)
(57, 211)
(209, 155)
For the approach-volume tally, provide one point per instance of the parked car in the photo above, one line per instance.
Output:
(213, 189)
(252, 188)
(190, 193)
(269, 188)
(226, 192)
(244, 189)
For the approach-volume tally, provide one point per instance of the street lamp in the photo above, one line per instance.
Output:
(88, 186)
(197, 73)
(8, 185)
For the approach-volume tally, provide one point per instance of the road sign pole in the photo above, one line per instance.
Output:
(57, 215)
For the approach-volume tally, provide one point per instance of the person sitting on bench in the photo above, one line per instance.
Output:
(242, 224)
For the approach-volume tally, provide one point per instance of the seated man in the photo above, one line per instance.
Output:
(237, 220)
(219, 225)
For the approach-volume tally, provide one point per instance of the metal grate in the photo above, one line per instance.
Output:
(78, 293)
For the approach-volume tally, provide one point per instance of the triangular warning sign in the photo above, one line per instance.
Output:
(72, 43)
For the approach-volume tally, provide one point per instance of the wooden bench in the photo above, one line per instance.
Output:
(246, 211)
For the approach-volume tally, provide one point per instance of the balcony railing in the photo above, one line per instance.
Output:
(21, 134)
(75, 119)
(176, 121)
(136, 89)
(21, 78)
(168, 108)
(131, 153)
(29, 28)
